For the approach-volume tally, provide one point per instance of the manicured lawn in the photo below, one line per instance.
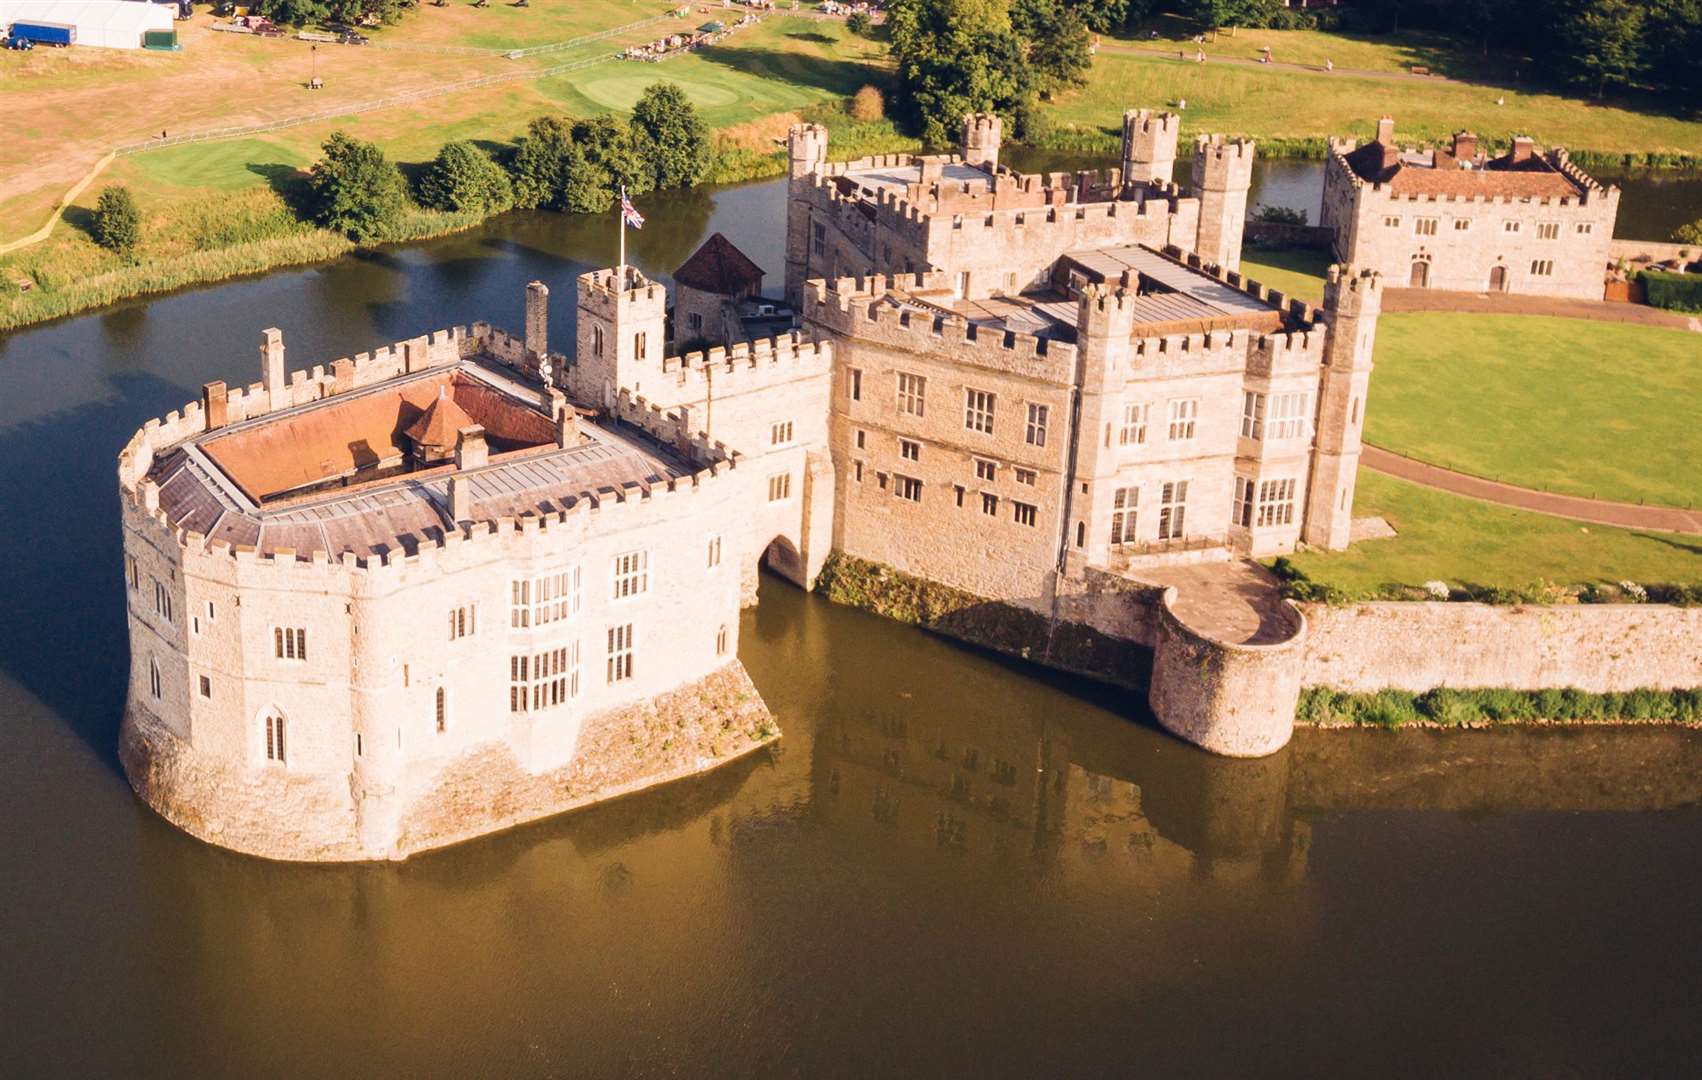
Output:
(1270, 103)
(223, 166)
(1462, 541)
(1602, 410)
(1360, 52)
(1297, 272)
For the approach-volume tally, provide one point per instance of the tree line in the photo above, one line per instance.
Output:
(1006, 56)
(572, 166)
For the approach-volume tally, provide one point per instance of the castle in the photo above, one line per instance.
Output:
(1454, 218)
(466, 581)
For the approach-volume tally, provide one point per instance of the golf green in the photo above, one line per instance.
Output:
(623, 91)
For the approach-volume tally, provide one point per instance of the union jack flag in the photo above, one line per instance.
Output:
(629, 213)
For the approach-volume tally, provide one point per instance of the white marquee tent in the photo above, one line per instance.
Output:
(111, 24)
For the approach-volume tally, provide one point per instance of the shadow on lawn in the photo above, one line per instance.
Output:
(834, 76)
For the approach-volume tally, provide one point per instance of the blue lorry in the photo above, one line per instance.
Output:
(58, 35)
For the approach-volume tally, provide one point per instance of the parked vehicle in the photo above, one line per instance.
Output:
(58, 35)
(21, 44)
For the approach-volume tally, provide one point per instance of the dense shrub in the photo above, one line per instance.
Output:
(858, 23)
(867, 106)
(1675, 292)
(118, 220)
(464, 178)
(356, 190)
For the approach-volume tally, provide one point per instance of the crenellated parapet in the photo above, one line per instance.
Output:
(879, 309)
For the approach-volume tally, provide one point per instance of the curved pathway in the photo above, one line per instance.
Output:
(1514, 304)
(1595, 511)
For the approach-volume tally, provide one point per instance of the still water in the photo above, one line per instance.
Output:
(948, 866)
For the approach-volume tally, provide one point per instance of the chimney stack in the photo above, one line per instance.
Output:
(1523, 148)
(1386, 131)
(537, 320)
(215, 405)
(460, 499)
(272, 367)
(1465, 146)
(471, 450)
(567, 428)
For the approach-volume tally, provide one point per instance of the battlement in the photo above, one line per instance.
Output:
(605, 288)
(770, 355)
(1295, 311)
(1352, 293)
(1222, 163)
(866, 309)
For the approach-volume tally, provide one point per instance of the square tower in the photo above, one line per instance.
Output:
(1223, 174)
(622, 334)
(1149, 146)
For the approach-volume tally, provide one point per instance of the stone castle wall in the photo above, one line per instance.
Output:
(363, 748)
(1418, 646)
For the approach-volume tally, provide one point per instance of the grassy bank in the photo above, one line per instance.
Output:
(1568, 405)
(1463, 542)
(1322, 707)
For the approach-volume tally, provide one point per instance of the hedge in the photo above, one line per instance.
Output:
(1675, 292)
(1324, 707)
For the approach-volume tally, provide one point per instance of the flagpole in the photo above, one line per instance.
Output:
(620, 212)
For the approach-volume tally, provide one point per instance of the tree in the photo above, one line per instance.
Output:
(464, 178)
(118, 220)
(611, 147)
(1602, 42)
(1688, 234)
(956, 57)
(539, 165)
(671, 136)
(356, 190)
(858, 23)
(1058, 42)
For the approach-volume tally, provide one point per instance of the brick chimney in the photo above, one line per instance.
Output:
(567, 428)
(1465, 145)
(1524, 148)
(1386, 131)
(537, 320)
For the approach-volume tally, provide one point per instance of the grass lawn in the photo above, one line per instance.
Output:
(1462, 541)
(1602, 410)
(1297, 272)
(1266, 103)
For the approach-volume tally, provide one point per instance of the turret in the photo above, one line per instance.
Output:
(1149, 146)
(622, 324)
(981, 135)
(1223, 174)
(806, 149)
(1352, 301)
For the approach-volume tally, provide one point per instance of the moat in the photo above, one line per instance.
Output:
(950, 864)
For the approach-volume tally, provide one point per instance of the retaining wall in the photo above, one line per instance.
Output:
(1420, 646)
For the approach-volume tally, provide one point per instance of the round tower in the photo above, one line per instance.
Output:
(1149, 146)
(1352, 301)
(806, 149)
(981, 135)
(1223, 174)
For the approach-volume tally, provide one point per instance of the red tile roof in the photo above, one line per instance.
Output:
(719, 267)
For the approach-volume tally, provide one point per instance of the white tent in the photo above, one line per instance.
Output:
(111, 24)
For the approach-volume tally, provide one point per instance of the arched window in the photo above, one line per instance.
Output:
(275, 738)
(596, 341)
(442, 711)
(154, 677)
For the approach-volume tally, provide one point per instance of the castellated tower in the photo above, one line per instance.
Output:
(1223, 173)
(981, 135)
(1149, 146)
(1352, 300)
(806, 149)
(622, 334)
